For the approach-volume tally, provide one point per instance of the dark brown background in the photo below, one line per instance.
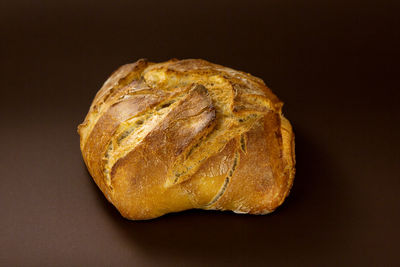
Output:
(334, 63)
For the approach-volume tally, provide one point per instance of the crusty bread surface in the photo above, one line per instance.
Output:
(183, 134)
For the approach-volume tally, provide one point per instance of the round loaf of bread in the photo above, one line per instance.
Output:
(184, 134)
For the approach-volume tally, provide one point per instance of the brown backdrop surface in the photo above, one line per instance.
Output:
(335, 65)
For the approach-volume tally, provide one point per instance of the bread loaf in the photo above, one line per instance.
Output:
(184, 134)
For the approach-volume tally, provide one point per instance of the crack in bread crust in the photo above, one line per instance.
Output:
(226, 182)
(243, 142)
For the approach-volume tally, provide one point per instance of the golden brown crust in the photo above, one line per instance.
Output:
(184, 134)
